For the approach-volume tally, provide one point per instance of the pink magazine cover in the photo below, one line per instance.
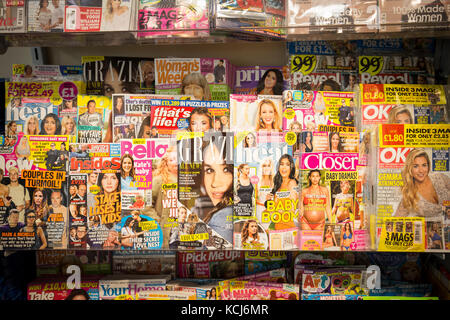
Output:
(58, 289)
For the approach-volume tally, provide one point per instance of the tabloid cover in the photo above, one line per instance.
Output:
(216, 264)
(93, 119)
(56, 289)
(329, 215)
(98, 15)
(266, 188)
(323, 72)
(155, 262)
(179, 18)
(25, 72)
(149, 189)
(118, 287)
(263, 113)
(106, 75)
(12, 16)
(94, 196)
(170, 117)
(45, 16)
(205, 191)
(250, 290)
(396, 69)
(410, 157)
(34, 201)
(203, 78)
(269, 80)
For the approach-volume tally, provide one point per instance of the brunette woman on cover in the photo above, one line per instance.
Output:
(244, 186)
(200, 120)
(335, 142)
(31, 226)
(267, 117)
(250, 237)
(217, 185)
(127, 173)
(119, 106)
(195, 84)
(116, 16)
(285, 188)
(271, 83)
(44, 16)
(39, 206)
(250, 141)
(343, 206)
(307, 139)
(346, 236)
(50, 125)
(315, 204)
(423, 194)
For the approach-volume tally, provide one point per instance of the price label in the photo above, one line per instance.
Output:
(18, 69)
(303, 63)
(370, 64)
(372, 93)
(68, 90)
(290, 138)
(392, 134)
(289, 113)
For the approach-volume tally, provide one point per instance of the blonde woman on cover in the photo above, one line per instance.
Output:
(265, 185)
(250, 238)
(68, 126)
(116, 16)
(44, 16)
(267, 117)
(32, 126)
(343, 204)
(400, 114)
(329, 238)
(422, 193)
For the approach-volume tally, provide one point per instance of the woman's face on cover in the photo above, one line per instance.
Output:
(314, 178)
(50, 126)
(38, 198)
(32, 125)
(68, 104)
(335, 139)
(267, 114)
(271, 80)
(402, 117)
(194, 90)
(119, 104)
(182, 214)
(217, 125)
(419, 170)
(70, 125)
(245, 170)
(266, 168)
(217, 176)
(127, 164)
(115, 86)
(110, 182)
(345, 186)
(13, 127)
(285, 168)
(199, 123)
(253, 228)
(250, 139)
(146, 132)
(296, 128)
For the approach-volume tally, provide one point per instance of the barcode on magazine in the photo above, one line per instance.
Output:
(20, 17)
(418, 232)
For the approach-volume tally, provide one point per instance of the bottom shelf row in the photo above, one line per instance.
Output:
(224, 275)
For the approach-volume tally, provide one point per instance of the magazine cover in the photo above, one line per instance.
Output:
(94, 196)
(118, 15)
(12, 16)
(169, 18)
(328, 211)
(45, 16)
(205, 191)
(266, 190)
(154, 262)
(254, 80)
(34, 199)
(396, 69)
(105, 75)
(323, 73)
(250, 290)
(203, 78)
(118, 287)
(258, 261)
(202, 288)
(132, 115)
(93, 119)
(216, 264)
(412, 182)
(321, 16)
(170, 117)
(25, 72)
(56, 289)
(261, 113)
(318, 111)
(407, 15)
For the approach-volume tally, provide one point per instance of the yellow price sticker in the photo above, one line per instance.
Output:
(304, 64)
(289, 113)
(290, 138)
(370, 64)
(18, 69)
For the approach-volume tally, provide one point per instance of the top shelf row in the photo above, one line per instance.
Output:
(114, 22)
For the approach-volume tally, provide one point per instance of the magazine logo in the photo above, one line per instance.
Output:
(384, 78)
(315, 79)
(109, 291)
(253, 75)
(376, 112)
(310, 118)
(315, 283)
(173, 72)
(149, 150)
(191, 150)
(393, 155)
(93, 71)
(330, 161)
(95, 163)
(304, 64)
(197, 257)
(21, 165)
(168, 116)
(23, 113)
(423, 14)
(272, 151)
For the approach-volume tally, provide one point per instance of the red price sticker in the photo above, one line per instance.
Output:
(372, 93)
(392, 135)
